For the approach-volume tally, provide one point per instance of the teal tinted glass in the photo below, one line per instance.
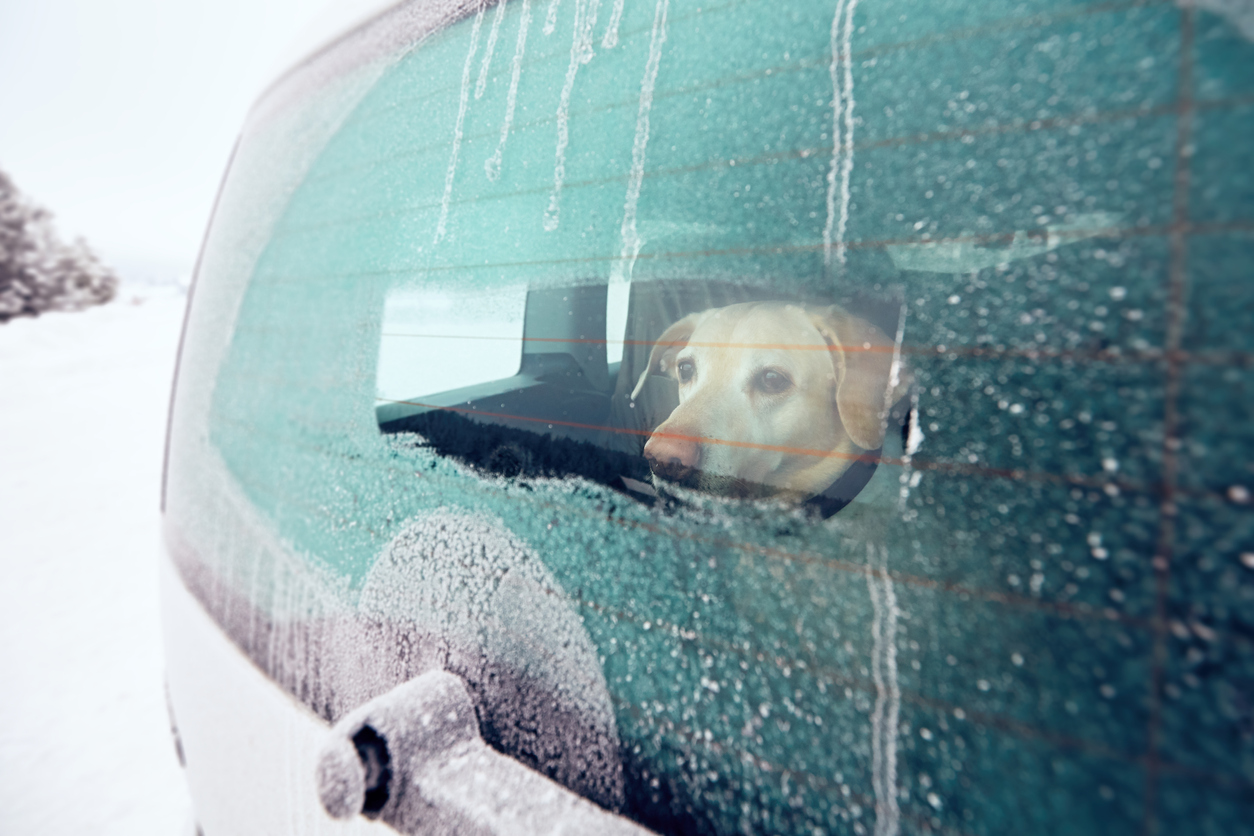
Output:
(1035, 616)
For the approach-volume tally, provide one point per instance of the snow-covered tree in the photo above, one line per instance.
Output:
(39, 272)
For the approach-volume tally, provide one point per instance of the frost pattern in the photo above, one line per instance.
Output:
(842, 145)
(442, 225)
(493, 165)
(887, 692)
(454, 591)
(580, 54)
(482, 83)
(631, 238)
(490, 612)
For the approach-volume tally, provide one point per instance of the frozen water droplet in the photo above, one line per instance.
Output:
(1239, 494)
(934, 800)
(1203, 632)
(1247, 560)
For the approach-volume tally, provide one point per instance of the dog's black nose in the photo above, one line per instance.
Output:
(671, 469)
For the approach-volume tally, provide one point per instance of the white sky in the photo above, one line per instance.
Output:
(119, 115)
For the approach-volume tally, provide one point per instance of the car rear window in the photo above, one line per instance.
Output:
(1030, 610)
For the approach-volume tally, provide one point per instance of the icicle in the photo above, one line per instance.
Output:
(441, 225)
(550, 19)
(631, 238)
(887, 692)
(493, 165)
(846, 170)
(884, 641)
(611, 31)
(580, 53)
(482, 84)
(842, 135)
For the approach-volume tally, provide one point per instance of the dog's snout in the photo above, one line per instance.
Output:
(672, 458)
(667, 449)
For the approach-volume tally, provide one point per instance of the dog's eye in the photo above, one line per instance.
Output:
(773, 381)
(685, 369)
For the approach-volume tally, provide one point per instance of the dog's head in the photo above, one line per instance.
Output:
(773, 398)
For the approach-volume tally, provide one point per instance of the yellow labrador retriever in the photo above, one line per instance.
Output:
(774, 398)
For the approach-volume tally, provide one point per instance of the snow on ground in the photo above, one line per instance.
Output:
(85, 744)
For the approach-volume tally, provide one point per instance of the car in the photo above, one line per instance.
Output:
(751, 417)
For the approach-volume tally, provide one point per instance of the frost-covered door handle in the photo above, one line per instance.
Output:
(414, 759)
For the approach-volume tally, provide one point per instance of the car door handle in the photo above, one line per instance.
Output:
(413, 758)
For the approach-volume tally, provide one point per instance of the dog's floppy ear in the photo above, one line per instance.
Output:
(662, 357)
(863, 359)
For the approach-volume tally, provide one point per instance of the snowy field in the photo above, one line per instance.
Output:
(85, 745)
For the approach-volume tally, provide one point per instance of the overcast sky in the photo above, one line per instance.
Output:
(119, 115)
